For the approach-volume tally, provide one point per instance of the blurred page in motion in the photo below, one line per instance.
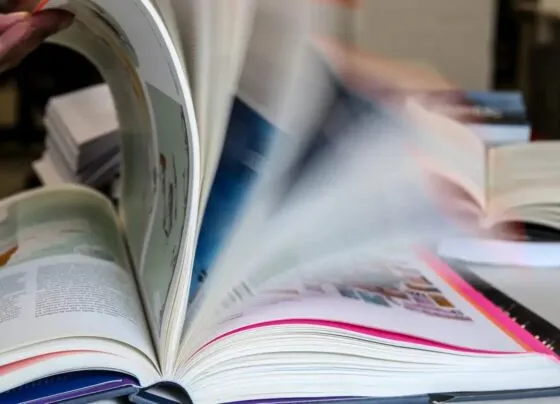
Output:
(428, 303)
(270, 80)
(365, 190)
(340, 176)
(213, 38)
(232, 23)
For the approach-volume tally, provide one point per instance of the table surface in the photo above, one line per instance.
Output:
(538, 289)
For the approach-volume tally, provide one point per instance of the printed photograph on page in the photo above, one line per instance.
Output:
(162, 255)
(58, 223)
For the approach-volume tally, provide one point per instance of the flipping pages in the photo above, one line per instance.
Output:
(264, 248)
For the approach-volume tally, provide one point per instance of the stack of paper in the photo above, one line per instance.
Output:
(82, 143)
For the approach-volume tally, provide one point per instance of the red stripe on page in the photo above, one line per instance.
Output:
(374, 332)
(21, 364)
(523, 337)
(40, 5)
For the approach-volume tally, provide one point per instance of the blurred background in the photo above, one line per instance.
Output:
(479, 45)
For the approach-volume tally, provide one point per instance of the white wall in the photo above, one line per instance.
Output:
(453, 36)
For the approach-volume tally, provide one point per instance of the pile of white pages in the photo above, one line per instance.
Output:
(82, 141)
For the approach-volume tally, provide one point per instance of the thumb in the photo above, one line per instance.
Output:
(7, 20)
(48, 22)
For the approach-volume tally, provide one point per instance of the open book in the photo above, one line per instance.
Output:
(515, 183)
(171, 299)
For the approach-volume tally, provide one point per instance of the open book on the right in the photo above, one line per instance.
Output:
(516, 183)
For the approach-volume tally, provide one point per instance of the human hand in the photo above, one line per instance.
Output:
(21, 32)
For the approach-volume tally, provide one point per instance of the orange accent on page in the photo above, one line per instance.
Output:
(40, 5)
(14, 366)
(6, 255)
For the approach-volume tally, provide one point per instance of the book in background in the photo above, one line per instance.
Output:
(498, 117)
(82, 141)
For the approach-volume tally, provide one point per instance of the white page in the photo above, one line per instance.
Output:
(273, 54)
(165, 8)
(161, 166)
(393, 291)
(236, 19)
(214, 35)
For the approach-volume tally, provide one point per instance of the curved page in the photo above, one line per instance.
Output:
(130, 46)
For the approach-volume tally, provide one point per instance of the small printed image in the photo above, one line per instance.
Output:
(421, 298)
(369, 287)
(348, 292)
(420, 283)
(57, 224)
(392, 292)
(441, 301)
(459, 315)
(373, 298)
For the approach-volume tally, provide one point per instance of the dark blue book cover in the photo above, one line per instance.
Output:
(70, 386)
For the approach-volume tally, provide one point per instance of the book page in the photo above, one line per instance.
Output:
(451, 149)
(398, 292)
(312, 196)
(329, 207)
(167, 12)
(281, 95)
(406, 318)
(134, 51)
(255, 120)
(524, 183)
(230, 46)
(214, 35)
(64, 272)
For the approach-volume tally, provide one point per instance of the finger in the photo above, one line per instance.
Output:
(7, 20)
(48, 22)
(38, 25)
(24, 36)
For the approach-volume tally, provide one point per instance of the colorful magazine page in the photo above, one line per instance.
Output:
(420, 302)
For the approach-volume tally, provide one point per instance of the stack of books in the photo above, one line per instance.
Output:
(82, 142)
(499, 117)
